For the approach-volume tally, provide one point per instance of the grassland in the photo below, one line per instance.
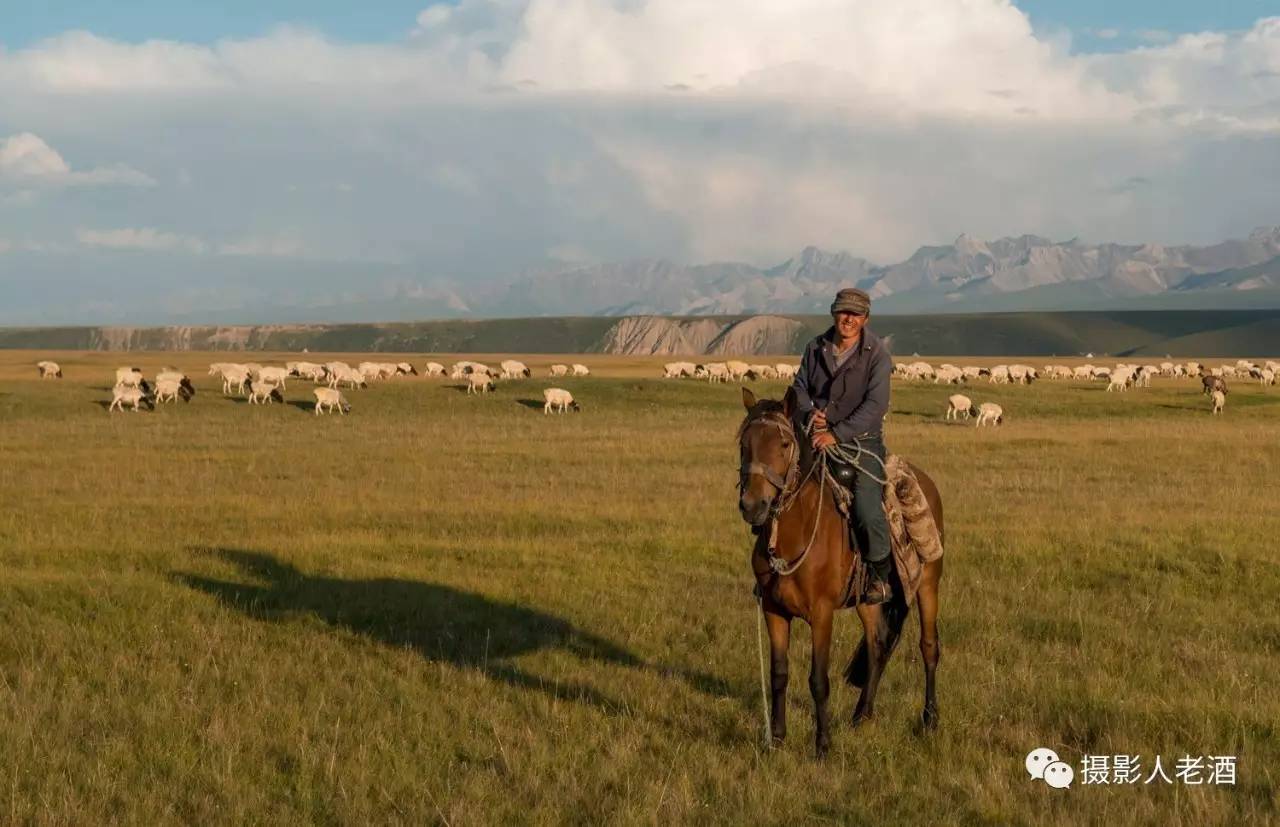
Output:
(452, 609)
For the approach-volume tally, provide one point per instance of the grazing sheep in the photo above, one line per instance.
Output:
(273, 375)
(1219, 401)
(405, 369)
(757, 372)
(716, 372)
(341, 372)
(1083, 372)
(990, 412)
(479, 383)
(132, 378)
(233, 377)
(560, 399)
(948, 375)
(369, 371)
(971, 372)
(49, 370)
(1120, 380)
(1000, 375)
(676, 370)
(559, 370)
(1266, 376)
(122, 395)
(435, 369)
(786, 371)
(511, 369)
(737, 370)
(958, 404)
(331, 398)
(262, 392)
(580, 369)
(169, 389)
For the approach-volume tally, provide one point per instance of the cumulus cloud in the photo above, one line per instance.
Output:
(26, 159)
(505, 134)
(141, 238)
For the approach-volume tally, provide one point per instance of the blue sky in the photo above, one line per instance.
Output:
(380, 20)
(164, 160)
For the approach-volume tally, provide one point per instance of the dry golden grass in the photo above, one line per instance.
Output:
(444, 608)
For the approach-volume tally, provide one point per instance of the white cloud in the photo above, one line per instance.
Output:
(1106, 34)
(27, 159)
(141, 238)
(279, 247)
(499, 133)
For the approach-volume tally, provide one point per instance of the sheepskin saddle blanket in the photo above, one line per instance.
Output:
(914, 536)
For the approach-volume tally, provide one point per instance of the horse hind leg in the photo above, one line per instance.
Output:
(882, 628)
(930, 650)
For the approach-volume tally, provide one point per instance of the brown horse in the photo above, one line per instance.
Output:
(810, 574)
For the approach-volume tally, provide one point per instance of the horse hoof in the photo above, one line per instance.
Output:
(821, 749)
(860, 718)
(929, 719)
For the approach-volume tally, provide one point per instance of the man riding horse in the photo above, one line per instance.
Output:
(842, 395)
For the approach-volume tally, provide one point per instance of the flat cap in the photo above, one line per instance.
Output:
(852, 300)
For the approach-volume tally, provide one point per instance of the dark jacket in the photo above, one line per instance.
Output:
(854, 395)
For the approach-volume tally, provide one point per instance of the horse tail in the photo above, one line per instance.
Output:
(895, 616)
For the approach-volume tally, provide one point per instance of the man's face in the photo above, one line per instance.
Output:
(848, 325)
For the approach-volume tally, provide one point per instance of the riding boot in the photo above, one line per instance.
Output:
(879, 589)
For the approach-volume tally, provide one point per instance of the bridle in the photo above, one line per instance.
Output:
(788, 486)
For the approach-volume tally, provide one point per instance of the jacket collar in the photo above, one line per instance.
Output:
(867, 342)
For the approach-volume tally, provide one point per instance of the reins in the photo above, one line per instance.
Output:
(788, 493)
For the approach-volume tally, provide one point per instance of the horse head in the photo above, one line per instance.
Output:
(769, 453)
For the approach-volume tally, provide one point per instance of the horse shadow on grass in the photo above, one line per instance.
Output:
(441, 623)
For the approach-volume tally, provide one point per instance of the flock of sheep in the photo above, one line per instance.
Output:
(728, 371)
(264, 384)
(1120, 378)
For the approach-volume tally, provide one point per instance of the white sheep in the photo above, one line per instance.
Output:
(273, 375)
(990, 412)
(132, 378)
(435, 369)
(1266, 376)
(479, 383)
(737, 369)
(234, 377)
(49, 370)
(558, 399)
(675, 370)
(1219, 401)
(169, 389)
(331, 398)
(512, 369)
(717, 372)
(406, 369)
(786, 371)
(948, 375)
(559, 370)
(580, 369)
(122, 395)
(1119, 380)
(999, 375)
(263, 392)
(958, 404)
(341, 372)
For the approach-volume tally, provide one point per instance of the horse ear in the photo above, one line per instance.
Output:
(789, 402)
(748, 398)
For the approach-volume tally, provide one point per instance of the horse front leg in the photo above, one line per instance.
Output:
(779, 627)
(875, 630)
(819, 682)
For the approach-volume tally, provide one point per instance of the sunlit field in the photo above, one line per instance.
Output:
(445, 608)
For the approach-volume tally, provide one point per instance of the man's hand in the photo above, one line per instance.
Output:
(822, 440)
(819, 420)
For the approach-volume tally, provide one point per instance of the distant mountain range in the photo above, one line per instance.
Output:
(1027, 273)
(1190, 333)
(969, 275)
